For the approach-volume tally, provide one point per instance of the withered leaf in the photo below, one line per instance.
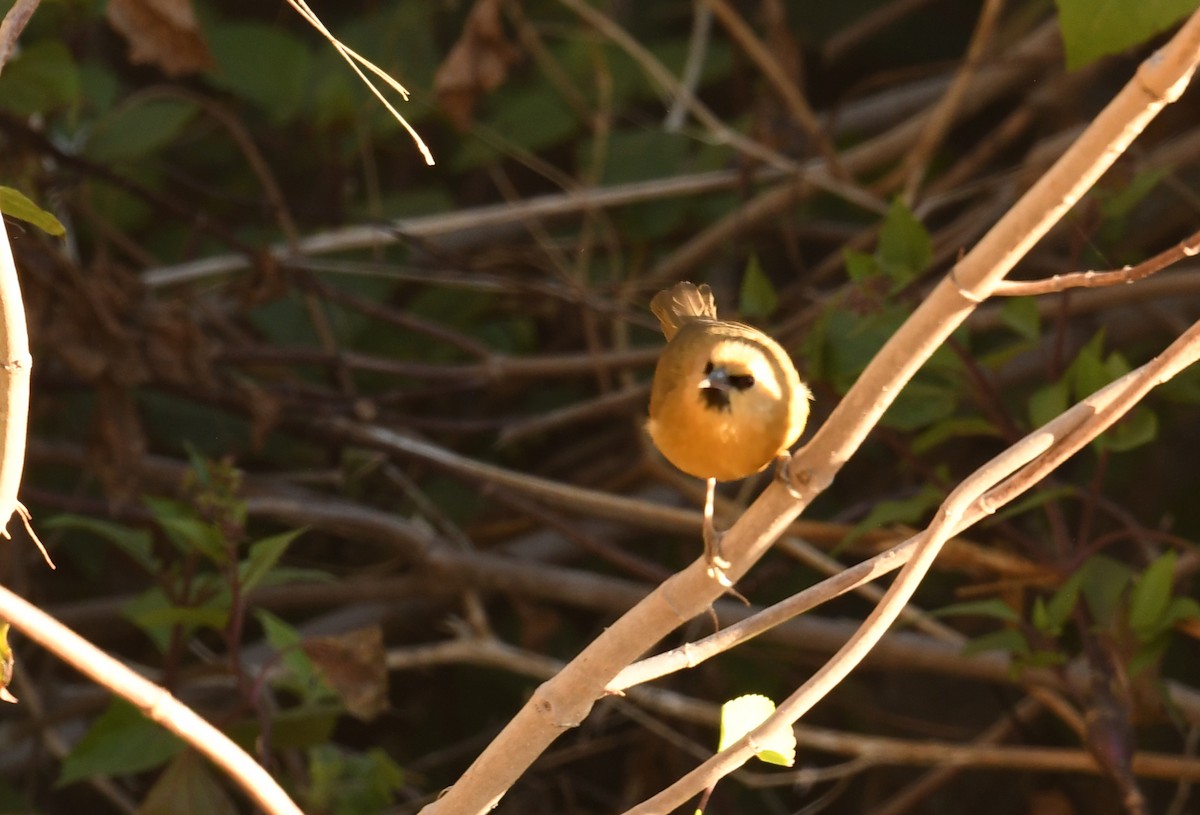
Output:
(476, 65)
(162, 33)
(355, 665)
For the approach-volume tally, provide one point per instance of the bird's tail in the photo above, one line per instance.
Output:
(683, 302)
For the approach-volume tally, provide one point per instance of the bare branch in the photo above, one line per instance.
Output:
(1186, 248)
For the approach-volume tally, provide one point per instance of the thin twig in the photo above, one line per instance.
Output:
(912, 171)
(1186, 248)
(784, 85)
(693, 67)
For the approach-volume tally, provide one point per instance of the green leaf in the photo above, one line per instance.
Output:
(346, 783)
(905, 248)
(1021, 315)
(1183, 608)
(296, 728)
(533, 119)
(157, 616)
(120, 742)
(1136, 428)
(187, 532)
(1147, 656)
(1104, 582)
(966, 427)
(1038, 498)
(1052, 616)
(1120, 203)
(14, 203)
(1008, 640)
(758, 297)
(1151, 597)
(844, 341)
(741, 715)
(7, 663)
(921, 404)
(281, 635)
(305, 679)
(41, 78)
(905, 510)
(1089, 372)
(137, 543)
(264, 65)
(1047, 403)
(139, 129)
(187, 787)
(993, 607)
(1094, 28)
(192, 534)
(860, 267)
(264, 554)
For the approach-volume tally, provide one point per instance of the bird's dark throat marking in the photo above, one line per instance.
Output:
(715, 399)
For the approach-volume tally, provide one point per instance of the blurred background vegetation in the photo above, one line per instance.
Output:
(209, 460)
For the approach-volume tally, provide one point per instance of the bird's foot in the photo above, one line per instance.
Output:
(791, 482)
(717, 563)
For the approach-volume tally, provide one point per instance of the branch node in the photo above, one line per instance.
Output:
(967, 294)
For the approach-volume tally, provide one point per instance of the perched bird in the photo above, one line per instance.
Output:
(726, 399)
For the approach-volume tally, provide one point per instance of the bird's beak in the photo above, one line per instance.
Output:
(717, 379)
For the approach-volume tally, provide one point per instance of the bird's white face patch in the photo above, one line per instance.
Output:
(739, 360)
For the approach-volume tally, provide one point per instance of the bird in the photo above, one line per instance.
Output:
(725, 402)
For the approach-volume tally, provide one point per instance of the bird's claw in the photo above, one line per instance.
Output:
(790, 481)
(717, 563)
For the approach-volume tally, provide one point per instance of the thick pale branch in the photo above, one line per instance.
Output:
(155, 702)
(15, 365)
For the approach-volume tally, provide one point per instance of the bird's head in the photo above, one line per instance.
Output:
(737, 373)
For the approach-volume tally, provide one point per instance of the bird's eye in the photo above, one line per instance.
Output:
(744, 382)
(708, 369)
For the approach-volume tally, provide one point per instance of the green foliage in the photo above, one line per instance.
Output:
(899, 511)
(139, 129)
(267, 67)
(137, 544)
(904, 250)
(302, 677)
(187, 787)
(1137, 611)
(41, 79)
(1021, 315)
(347, 783)
(758, 299)
(121, 741)
(1090, 371)
(1094, 28)
(262, 558)
(994, 608)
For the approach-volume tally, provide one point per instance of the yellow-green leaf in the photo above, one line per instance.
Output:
(16, 204)
(741, 715)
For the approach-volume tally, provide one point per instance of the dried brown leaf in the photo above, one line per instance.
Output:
(476, 65)
(162, 33)
(355, 665)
